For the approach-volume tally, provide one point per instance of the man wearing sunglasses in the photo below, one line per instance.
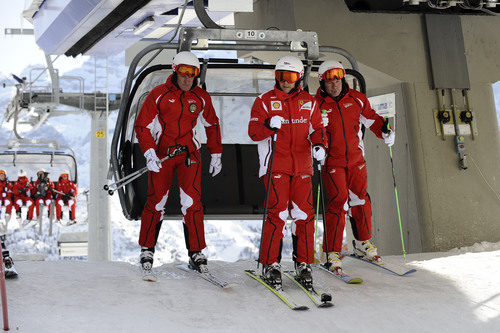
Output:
(345, 175)
(293, 115)
(167, 120)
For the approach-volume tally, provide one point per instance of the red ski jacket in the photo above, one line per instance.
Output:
(345, 116)
(66, 186)
(48, 192)
(5, 189)
(302, 128)
(22, 183)
(169, 116)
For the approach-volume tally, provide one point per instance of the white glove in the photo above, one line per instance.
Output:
(319, 153)
(215, 165)
(275, 122)
(324, 116)
(389, 138)
(152, 161)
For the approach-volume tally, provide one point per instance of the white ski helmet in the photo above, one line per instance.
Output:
(290, 63)
(327, 65)
(40, 170)
(21, 173)
(185, 58)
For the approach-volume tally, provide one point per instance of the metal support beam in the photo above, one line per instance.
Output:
(100, 246)
(258, 37)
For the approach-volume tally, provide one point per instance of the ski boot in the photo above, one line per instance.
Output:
(304, 274)
(198, 262)
(272, 274)
(366, 250)
(71, 222)
(146, 260)
(27, 223)
(334, 262)
(10, 271)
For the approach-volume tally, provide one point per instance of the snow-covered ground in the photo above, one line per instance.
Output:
(457, 291)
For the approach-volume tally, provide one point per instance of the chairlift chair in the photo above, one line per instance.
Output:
(235, 193)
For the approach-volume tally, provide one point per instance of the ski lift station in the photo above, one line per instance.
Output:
(427, 65)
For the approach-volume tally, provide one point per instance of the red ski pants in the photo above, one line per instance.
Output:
(7, 202)
(159, 183)
(288, 195)
(60, 203)
(346, 187)
(21, 200)
(42, 201)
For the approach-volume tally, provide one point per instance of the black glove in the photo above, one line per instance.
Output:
(22, 191)
(385, 127)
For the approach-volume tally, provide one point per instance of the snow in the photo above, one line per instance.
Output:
(448, 293)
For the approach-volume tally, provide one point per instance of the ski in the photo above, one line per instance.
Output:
(10, 273)
(148, 275)
(282, 295)
(342, 276)
(395, 269)
(205, 275)
(321, 300)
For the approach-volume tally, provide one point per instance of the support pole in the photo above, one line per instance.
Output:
(99, 221)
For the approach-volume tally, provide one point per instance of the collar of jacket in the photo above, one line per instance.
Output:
(170, 85)
(283, 95)
(329, 99)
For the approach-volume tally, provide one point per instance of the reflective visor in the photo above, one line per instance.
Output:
(187, 70)
(290, 77)
(334, 73)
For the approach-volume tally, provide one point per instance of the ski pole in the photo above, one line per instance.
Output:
(111, 188)
(3, 291)
(269, 173)
(322, 193)
(61, 193)
(396, 194)
(316, 226)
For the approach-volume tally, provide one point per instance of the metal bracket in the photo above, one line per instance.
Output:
(254, 40)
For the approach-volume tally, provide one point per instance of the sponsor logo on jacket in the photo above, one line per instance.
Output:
(276, 106)
(305, 105)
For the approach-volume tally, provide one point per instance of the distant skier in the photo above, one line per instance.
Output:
(166, 121)
(66, 195)
(5, 195)
(42, 187)
(345, 175)
(294, 115)
(8, 263)
(22, 190)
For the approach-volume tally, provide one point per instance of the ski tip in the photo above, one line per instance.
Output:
(150, 278)
(413, 270)
(355, 281)
(300, 308)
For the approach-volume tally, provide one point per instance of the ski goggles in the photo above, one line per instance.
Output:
(64, 175)
(2, 172)
(290, 77)
(187, 70)
(332, 74)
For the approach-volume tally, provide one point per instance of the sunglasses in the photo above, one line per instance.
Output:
(187, 70)
(290, 77)
(332, 74)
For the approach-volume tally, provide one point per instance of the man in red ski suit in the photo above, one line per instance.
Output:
(22, 190)
(167, 120)
(294, 115)
(5, 194)
(42, 187)
(70, 191)
(345, 176)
